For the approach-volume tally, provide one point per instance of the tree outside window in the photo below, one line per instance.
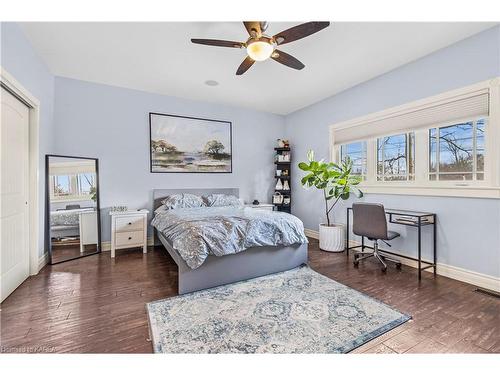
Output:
(456, 152)
(395, 157)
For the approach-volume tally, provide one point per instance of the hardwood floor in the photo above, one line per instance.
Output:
(97, 304)
(70, 251)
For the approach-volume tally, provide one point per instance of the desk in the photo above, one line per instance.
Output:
(411, 219)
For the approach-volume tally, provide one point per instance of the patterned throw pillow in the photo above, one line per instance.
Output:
(221, 200)
(183, 201)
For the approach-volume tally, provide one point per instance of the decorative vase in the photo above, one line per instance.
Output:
(331, 238)
(279, 185)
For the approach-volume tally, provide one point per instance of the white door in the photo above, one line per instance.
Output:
(14, 241)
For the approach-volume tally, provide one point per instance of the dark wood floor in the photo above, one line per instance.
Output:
(96, 304)
(61, 253)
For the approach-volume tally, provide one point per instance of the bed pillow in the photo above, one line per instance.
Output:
(182, 201)
(221, 200)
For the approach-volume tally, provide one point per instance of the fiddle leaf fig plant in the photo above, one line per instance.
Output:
(335, 180)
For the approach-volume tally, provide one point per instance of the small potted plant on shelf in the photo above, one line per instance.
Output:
(337, 182)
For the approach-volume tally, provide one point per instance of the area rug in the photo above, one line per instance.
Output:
(297, 311)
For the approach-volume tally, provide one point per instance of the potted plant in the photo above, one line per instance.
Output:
(93, 193)
(337, 182)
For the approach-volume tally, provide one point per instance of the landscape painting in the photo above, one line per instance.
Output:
(189, 145)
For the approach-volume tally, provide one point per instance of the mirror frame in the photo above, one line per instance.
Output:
(48, 242)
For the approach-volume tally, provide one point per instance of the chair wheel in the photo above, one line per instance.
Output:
(398, 266)
(356, 263)
(384, 270)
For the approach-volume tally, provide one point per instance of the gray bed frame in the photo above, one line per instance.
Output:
(215, 271)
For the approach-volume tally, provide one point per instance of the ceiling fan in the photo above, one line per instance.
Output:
(260, 46)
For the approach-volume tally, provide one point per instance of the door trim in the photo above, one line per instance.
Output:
(18, 90)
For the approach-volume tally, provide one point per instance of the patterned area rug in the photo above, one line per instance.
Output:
(297, 311)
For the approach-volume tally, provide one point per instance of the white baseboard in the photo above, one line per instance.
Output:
(471, 277)
(42, 261)
(456, 273)
(106, 245)
(312, 233)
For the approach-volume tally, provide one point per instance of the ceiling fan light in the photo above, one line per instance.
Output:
(259, 50)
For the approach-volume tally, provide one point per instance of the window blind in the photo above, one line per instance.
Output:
(471, 105)
(72, 168)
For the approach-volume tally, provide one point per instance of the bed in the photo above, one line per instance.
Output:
(219, 270)
(66, 223)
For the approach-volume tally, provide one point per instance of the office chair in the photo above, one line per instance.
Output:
(369, 221)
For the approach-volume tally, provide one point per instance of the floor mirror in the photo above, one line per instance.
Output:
(73, 224)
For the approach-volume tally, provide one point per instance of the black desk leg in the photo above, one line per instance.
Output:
(434, 245)
(362, 244)
(419, 248)
(347, 235)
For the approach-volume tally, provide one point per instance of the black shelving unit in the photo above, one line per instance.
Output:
(285, 168)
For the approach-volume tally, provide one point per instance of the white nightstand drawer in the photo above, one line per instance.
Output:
(123, 239)
(128, 229)
(129, 223)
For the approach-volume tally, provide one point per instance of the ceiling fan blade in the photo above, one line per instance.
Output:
(253, 27)
(286, 59)
(219, 43)
(245, 65)
(299, 32)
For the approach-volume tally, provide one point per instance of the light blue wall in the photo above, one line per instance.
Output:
(20, 60)
(111, 124)
(469, 229)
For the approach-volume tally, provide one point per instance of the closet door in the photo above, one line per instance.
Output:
(14, 138)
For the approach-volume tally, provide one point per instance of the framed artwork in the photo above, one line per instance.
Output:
(180, 144)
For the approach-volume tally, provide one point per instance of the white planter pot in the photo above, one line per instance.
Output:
(331, 238)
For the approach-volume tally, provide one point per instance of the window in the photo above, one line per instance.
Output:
(456, 152)
(444, 145)
(85, 183)
(395, 157)
(73, 186)
(62, 186)
(357, 153)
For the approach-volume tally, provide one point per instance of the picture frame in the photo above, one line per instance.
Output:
(184, 144)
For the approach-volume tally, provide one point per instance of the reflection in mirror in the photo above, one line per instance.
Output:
(73, 207)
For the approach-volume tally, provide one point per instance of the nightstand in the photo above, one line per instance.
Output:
(129, 229)
(261, 206)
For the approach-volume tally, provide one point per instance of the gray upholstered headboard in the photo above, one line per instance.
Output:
(159, 194)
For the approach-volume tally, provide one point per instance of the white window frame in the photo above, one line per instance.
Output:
(422, 185)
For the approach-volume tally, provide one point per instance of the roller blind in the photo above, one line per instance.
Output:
(69, 168)
(455, 109)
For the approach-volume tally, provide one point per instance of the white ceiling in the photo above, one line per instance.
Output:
(159, 58)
